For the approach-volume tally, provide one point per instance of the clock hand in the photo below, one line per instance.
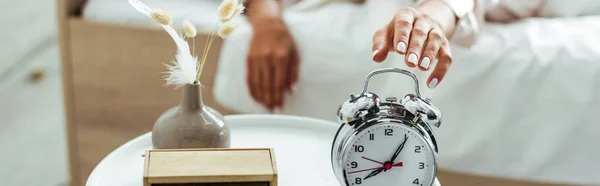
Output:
(374, 173)
(372, 160)
(399, 164)
(399, 148)
(364, 170)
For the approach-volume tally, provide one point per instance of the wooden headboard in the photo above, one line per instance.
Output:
(65, 10)
(72, 7)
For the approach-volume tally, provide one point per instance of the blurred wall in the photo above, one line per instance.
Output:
(32, 132)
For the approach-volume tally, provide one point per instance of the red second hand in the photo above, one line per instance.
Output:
(399, 164)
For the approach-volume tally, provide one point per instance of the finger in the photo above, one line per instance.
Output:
(381, 44)
(294, 71)
(444, 61)
(259, 76)
(263, 77)
(267, 82)
(418, 35)
(431, 49)
(280, 79)
(252, 78)
(403, 24)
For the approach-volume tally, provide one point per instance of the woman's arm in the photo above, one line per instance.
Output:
(263, 9)
(468, 17)
(272, 61)
(441, 13)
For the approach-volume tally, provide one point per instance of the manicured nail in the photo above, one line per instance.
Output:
(425, 63)
(375, 52)
(433, 83)
(401, 47)
(412, 58)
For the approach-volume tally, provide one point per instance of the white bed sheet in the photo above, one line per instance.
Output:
(521, 104)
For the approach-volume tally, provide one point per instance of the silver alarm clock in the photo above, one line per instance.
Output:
(386, 142)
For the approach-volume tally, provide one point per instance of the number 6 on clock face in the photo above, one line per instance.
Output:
(389, 153)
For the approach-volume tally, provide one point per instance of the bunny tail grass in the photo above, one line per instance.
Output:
(239, 9)
(226, 9)
(227, 29)
(184, 68)
(161, 16)
(189, 29)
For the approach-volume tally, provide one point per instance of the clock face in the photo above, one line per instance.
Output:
(389, 154)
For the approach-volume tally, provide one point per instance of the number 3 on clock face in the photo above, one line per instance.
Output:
(389, 154)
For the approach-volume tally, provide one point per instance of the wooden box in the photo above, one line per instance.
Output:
(210, 167)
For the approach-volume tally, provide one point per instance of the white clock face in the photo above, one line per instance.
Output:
(389, 154)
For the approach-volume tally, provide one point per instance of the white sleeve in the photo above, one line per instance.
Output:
(470, 15)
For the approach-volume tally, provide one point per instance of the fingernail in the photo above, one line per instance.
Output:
(375, 52)
(433, 83)
(401, 47)
(412, 58)
(425, 62)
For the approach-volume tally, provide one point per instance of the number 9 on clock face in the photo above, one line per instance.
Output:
(389, 154)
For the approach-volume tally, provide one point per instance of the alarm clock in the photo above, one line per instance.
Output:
(386, 141)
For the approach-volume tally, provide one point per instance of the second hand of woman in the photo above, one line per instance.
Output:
(272, 59)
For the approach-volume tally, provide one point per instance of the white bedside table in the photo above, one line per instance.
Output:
(287, 135)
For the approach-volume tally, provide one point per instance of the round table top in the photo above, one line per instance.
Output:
(124, 166)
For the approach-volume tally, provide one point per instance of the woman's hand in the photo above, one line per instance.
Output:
(272, 62)
(421, 37)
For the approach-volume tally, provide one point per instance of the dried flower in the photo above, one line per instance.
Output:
(227, 8)
(161, 16)
(239, 9)
(182, 70)
(189, 29)
(226, 30)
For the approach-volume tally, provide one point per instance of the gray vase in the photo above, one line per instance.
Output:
(191, 124)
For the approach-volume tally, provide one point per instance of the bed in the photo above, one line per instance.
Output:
(521, 104)
(102, 41)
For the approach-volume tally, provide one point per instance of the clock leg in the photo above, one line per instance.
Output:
(436, 182)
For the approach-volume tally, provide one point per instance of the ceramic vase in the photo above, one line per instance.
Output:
(191, 124)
